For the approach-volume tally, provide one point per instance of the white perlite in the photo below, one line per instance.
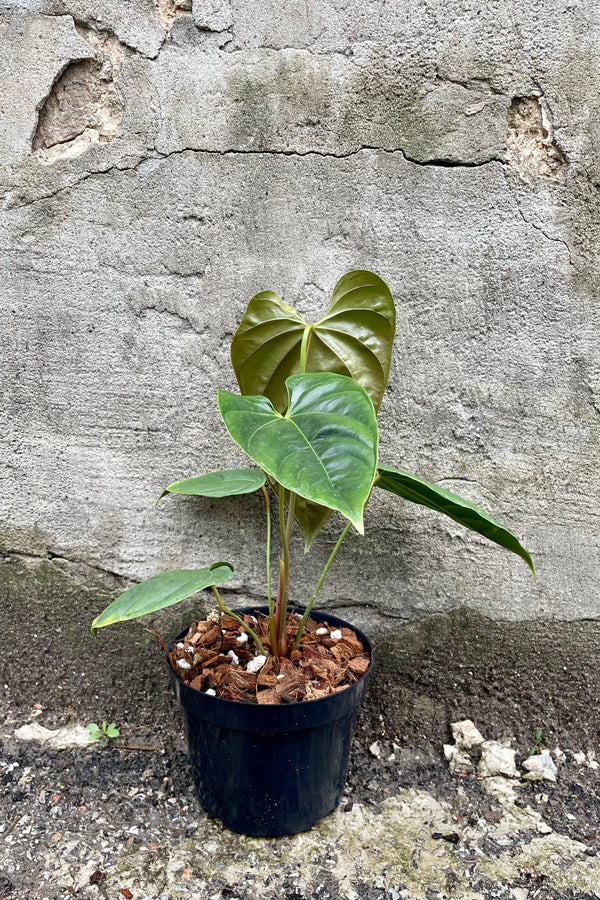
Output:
(256, 664)
(497, 760)
(242, 638)
(466, 735)
(540, 767)
(321, 631)
(336, 635)
(234, 657)
(183, 664)
(460, 763)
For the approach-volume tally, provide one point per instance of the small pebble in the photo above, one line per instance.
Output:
(183, 664)
(336, 635)
(321, 631)
(242, 638)
(375, 749)
(256, 664)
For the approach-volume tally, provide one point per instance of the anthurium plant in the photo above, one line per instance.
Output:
(306, 417)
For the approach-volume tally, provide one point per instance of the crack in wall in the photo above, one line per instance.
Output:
(50, 556)
(299, 154)
(533, 223)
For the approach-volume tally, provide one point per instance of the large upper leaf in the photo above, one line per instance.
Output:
(226, 483)
(420, 491)
(161, 591)
(354, 338)
(324, 448)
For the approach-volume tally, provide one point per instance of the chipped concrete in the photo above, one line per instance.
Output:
(531, 150)
(84, 104)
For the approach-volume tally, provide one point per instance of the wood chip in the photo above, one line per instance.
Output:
(268, 696)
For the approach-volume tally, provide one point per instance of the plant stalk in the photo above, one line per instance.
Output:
(284, 568)
(304, 347)
(272, 632)
(318, 586)
(229, 612)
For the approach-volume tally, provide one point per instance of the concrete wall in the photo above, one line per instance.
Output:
(162, 163)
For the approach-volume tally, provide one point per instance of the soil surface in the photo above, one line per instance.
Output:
(232, 657)
(105, 822)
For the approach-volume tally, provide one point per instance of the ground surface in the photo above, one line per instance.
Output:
(406, 827)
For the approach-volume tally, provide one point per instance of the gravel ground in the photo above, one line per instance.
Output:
(117, 823)
(120, 823)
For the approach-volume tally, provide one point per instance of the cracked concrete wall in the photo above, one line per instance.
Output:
(161, 163)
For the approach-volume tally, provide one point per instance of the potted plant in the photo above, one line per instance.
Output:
(270, 695)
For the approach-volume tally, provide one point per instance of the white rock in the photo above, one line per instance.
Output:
(234, 657)
(321, 631)
(466, 735)
(180, 645)
(580, 758)
(460, 763)
(211, 692)
(558, 755)
(68, 738)
(543, 828)
(183, 664)
(336, 635)
(497, 760)
(540, 767)
(256, 664)
(375, 749)
(520, 894)
(242, 638)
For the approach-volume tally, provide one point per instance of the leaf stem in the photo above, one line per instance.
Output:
(229, 612)
(318, 585)
(284, 570)
(304, 347)
(272, 633)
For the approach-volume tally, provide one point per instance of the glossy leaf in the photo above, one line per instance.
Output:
(227, 483)
(161, 591)
(354, 338)
(324, 448)
(420, 491)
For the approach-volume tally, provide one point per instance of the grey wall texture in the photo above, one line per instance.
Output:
(162, 162)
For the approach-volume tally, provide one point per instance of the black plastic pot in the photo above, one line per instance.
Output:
(270, 770)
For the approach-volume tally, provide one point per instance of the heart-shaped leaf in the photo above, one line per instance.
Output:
(160, 591)
(324, 448)
(420, 491)
(354, 338)
(227, 483)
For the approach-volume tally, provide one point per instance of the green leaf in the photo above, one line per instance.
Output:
(420, 491)
(93, 729)
(354, 338)
(310, 517)
(324, 448)
(112, 730)
(227, 483)
(161, 591)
